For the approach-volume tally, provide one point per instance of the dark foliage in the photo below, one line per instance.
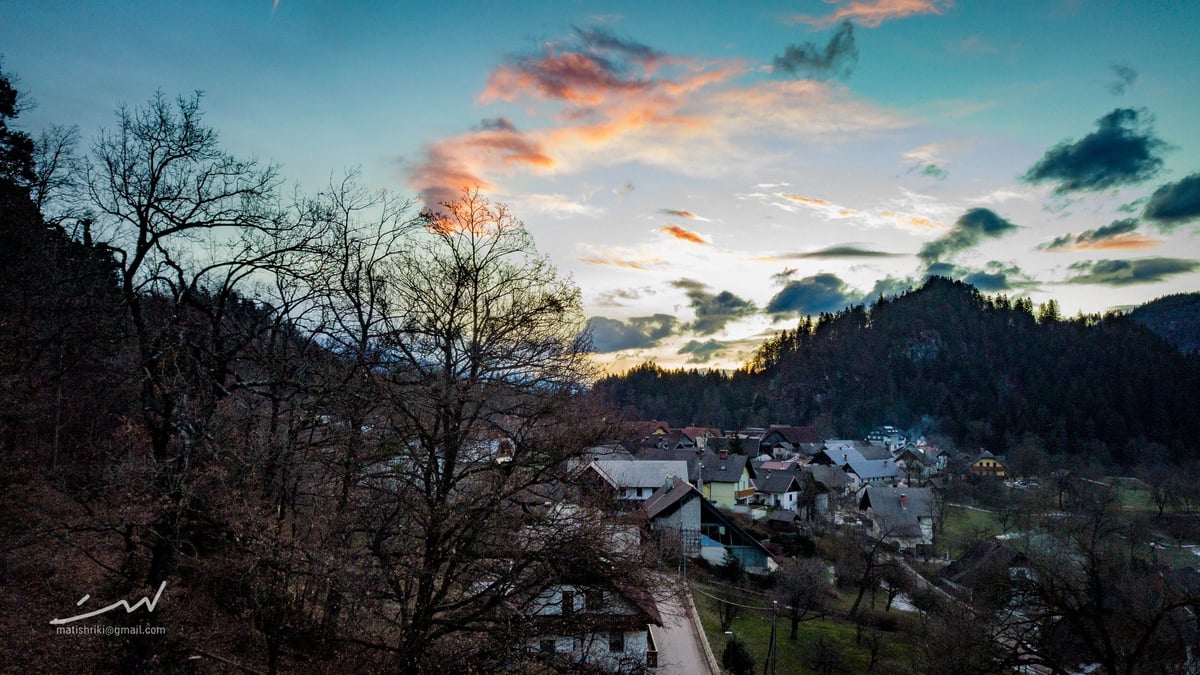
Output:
(986, 372)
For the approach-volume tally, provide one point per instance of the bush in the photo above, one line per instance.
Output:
(737, 658)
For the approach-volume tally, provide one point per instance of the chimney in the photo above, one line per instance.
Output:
(724, 453)
(845, 457)
(903, 501)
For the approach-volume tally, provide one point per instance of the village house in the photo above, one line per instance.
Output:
(725, 478)
(687, 523)
(631, 480)
(901, 516)
(987, 464)
(778, 489)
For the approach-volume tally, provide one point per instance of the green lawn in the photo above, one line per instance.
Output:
(962, 528)
(754, 627)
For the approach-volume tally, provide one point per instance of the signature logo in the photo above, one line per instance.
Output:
(147, 602)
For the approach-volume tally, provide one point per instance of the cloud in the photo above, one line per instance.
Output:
(835, 60)
(824, 207)
(684, 234)
(844, 251)
(1127, 272)
(1124, 77)
(454, 164)
(713, 310)
(680, 214)
(603, 39)
(619, 256)
(927, 160)
(615, 297)
(1122, 151)
(993, 278)
(639, 332)
(872, 13)
(703, 352)
(1117, 235)
(971, 228)
(557, 206)
(813, 295)
(1174, 203)
(973, 45)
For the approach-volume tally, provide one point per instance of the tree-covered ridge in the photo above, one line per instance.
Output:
(983, 371)
(1174, 317)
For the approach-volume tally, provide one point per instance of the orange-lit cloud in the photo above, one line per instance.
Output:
(1120, 235)
(615, 101)
(684, 234)
(872, 13)
(805, 200)
(458, 163)
(677, 214)
(918, 222)
(638, 264)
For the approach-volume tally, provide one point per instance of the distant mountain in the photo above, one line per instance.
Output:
(985, 372)
(1176, 318)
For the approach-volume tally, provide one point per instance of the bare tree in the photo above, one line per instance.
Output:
(802, 590)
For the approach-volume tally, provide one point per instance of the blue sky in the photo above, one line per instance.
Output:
(706, 172)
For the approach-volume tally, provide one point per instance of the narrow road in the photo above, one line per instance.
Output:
(680, 641)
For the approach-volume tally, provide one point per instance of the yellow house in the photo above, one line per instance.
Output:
(725, 478)
(989, 465)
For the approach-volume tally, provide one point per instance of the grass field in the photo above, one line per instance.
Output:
(896, 655)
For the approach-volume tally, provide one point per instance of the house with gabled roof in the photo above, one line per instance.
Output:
(871, 472)
(987, 464)
(786, 440)
(725, 479)
(684, 521)
(778, 489)
(903, 516)
(633, 480)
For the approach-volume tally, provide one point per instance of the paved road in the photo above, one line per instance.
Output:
(679, 641)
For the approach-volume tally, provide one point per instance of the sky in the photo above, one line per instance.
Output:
(706, 172)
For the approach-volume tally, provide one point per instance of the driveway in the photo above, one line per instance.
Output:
(680, 641)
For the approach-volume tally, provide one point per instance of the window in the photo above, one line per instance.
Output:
(616, 641)
(568, 602)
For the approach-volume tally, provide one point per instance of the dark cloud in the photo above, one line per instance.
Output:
(783, 276)
(835, 60)
(971, 228)
(934, 171)
(1122, 151)
(615, 297)
(839, 252)
(888, 287)
(603, 39)
(993, 278)
(713, 310)
(1175, 203)
(495, 124)
(812, 295)
(613, 335)
(1126, 272)
(1123, 78)
(703, 352)
(1119, 234)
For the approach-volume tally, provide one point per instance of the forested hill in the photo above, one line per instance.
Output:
(982, 371)
(1175, 317)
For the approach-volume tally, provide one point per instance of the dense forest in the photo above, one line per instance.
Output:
(981, 372)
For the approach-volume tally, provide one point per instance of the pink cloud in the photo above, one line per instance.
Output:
(872, 13)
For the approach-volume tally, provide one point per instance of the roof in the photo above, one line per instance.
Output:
(832, 477)
(980, 559)
(870, 469)
(687, 455)
(794, 435)
(666, 498)
(897, 516)
(777, 482)
(639, 473)
(713, 469)
(694, 432)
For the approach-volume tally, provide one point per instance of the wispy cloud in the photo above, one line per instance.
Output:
(1123, 78)
(1118, 235)
(872, 13)
(619, 256)
(1122, 151)
(458, 163)
(684, 234)
(836, 60)
(845, 251)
